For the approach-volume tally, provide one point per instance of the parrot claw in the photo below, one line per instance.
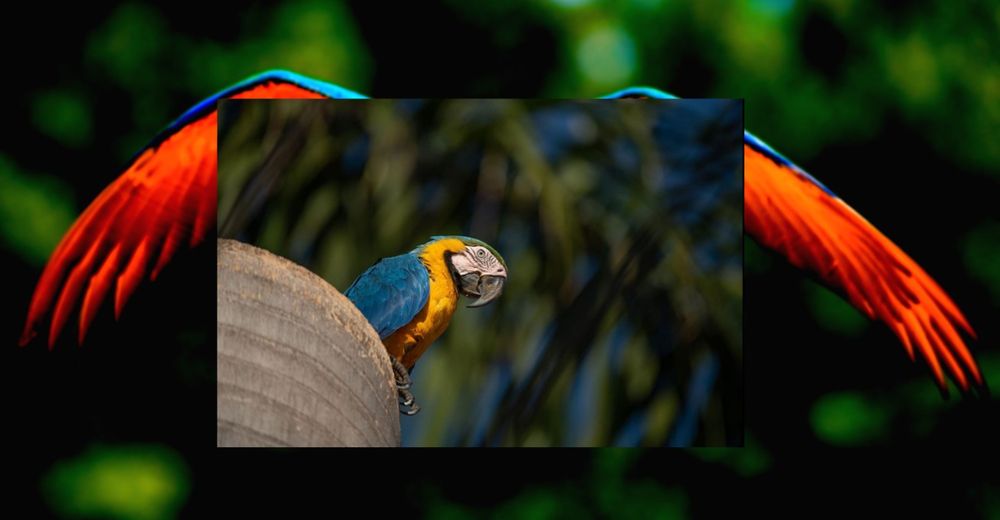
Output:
(407, 405)
(402, 375)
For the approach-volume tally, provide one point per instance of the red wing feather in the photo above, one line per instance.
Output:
(166, 199)
(786, 211)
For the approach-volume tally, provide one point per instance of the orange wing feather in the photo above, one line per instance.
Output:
(166, 199)
(786, 211)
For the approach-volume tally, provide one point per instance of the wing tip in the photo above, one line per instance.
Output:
(968, 328)
(82, 334)
(984, 389)
(978, 387)
(942, 387)
(26, 336)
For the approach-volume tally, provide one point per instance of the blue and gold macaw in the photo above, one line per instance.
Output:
(166, 200)
(409, 299)
(789, 211)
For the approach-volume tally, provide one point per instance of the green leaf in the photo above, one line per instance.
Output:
(848, 419)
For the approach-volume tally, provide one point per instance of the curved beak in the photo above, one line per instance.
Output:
(487, 288)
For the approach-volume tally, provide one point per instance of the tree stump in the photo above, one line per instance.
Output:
(298, 364)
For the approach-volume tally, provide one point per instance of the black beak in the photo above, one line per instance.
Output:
(486, 288)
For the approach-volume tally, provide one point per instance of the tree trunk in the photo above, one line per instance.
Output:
(298, 364)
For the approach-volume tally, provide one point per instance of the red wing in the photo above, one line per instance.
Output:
(786, 210)
(165, 199)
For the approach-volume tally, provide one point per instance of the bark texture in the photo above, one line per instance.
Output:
(298, 364)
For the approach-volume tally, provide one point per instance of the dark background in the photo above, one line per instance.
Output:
(891, 104)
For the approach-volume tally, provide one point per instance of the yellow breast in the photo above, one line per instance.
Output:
(410, 341)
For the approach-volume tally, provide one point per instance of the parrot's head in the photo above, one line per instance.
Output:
(479, 271)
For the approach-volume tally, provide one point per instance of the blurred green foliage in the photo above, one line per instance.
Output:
(607, 491)
(623, 247)
(755, 260)
(981, 248)
(761, 50)
(620, 496)
(141, 52)
(748, 461)
(859, 419)
(833, 313)
(814, 72)
(137, 482)
(991, 501)
(35, 211)
(849, 419)
(65, 116)
(155, 71)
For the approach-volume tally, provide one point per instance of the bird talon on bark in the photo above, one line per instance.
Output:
(412, 410)
(405, 398)
(403, 381)
(407, 404)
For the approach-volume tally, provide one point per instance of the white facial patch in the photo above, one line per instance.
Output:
(478, 259)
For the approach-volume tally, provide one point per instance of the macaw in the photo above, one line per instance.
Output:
(789, 211)
(409, 299)
(167, 198)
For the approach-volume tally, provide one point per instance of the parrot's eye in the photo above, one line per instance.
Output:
(481, 253)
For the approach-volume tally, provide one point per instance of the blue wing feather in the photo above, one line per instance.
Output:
(284, 76)
(639, 91)
(391, 292)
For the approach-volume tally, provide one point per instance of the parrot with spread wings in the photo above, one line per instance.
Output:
(166, 200)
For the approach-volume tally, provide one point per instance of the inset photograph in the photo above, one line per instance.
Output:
(482, 272)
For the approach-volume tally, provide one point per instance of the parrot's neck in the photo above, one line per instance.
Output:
(434, 257)
(409, 342)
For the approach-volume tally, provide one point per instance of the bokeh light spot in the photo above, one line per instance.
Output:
(35, 210)
(64, 116)
(570, 4)
(127, 482)
(607, 57)
(848, 418)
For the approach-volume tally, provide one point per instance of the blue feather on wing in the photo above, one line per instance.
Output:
(208, 104)
(391, 292)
